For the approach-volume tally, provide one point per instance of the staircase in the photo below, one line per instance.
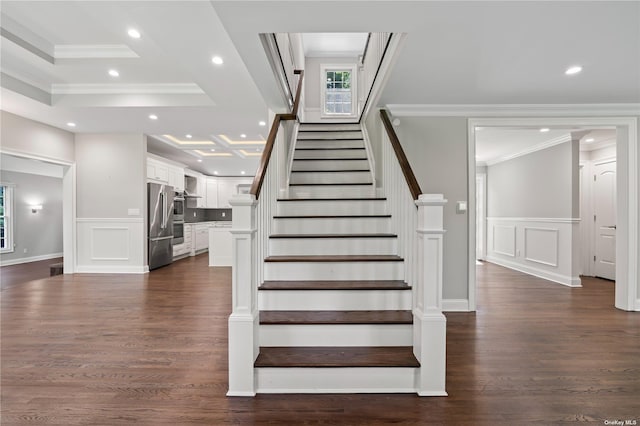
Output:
(334, 310)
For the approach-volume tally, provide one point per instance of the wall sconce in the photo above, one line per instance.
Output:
(35, 208)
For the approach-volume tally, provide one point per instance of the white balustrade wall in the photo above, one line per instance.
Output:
(369, 65)
(403, 210)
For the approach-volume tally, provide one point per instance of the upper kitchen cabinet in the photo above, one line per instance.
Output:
(165, 172)
(157, 170)
(196, 189)
(212, 192)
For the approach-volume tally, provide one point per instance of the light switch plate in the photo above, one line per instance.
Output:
(133, 212)
(461, 206)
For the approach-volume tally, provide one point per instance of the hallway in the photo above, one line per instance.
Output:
(152, 349)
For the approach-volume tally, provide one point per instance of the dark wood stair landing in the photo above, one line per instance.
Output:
(336, 317)
(336, 285)
(337, 356)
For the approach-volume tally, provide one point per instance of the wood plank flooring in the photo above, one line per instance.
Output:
(16, 274)
(151, 349)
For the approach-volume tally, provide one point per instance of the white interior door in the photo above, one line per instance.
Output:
(605, 219)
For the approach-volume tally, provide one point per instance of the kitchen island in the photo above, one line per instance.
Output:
(220, 244)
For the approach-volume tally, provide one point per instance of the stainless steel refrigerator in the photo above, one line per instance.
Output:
(160, 208)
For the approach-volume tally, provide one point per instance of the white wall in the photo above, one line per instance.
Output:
(312, 86)
(23, 136)
(36, 236)
(111, 202)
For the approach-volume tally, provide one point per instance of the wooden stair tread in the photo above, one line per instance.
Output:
(337, 356)
(336, 317)
(333, 236)
(331, 171)
(343, 216)
(336, 285)
(333, 184)
(335, 199)
(336, 258)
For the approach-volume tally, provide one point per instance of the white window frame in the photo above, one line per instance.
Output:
(352, 68)
(9, 211)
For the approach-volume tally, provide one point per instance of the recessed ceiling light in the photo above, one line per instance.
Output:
(114, 73)
(262, 123)
(213, 150)
(71, 124)
(188, 136)
(153, 117)
(589, 140)
(573, 70)
(242, 172)
(133, 33)
(215, 172)
(544, 129)
(217, 60)
(258, 149)
(243, 136)
(199, 160)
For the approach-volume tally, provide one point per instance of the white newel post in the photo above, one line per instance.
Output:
(430, 325)
(243, 321)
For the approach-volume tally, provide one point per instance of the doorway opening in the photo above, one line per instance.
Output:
(626, 212)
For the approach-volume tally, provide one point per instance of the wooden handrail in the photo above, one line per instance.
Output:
(256, 186)
(412, 182)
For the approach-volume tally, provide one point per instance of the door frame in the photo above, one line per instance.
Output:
(68, 206)
(626, 286)
(483, 231)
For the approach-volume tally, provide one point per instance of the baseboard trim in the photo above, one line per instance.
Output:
(93, 269)
(455, 305)
(30, 259)
(549, 276)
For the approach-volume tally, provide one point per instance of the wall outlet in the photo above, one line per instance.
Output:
(25, 250)
(224, 214)
(194, 214)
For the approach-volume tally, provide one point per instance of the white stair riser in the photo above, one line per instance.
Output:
(331, 207)
(329, 153)
(334, 300)
(292, 271)
(331, 165)
(322, 143)
(328, 246)
(339, 191)
(335, 177)
(329, 135)
(336, 380)
(372, 225)
(304, 127)
(336, 335)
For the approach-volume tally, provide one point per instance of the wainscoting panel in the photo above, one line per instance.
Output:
(541, 245)
(504, 240)
(115, 245)
(536, 246)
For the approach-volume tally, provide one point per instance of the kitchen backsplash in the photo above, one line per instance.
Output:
(206, 215)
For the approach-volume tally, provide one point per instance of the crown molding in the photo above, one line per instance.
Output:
(112, 89)
(530, 150)
(512, 110)
(88, 51)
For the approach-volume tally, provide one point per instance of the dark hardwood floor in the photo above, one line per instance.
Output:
(151, 349)
(16, 274)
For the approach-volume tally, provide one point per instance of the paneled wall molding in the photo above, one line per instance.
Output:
(536, 246)
(537, 219)
(111, 245)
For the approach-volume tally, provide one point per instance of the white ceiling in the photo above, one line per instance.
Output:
(477, 52)
(334, 44)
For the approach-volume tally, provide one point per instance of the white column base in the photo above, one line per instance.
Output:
(243, 351)
(430, 346)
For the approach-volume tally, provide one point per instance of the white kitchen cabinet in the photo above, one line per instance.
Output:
(176, 178)
(220, 244)
(157, 171)
(212, 193)
(201, 191)
(201, 237)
